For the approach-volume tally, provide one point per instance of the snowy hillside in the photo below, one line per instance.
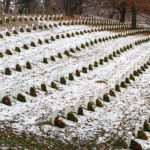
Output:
(76, 81)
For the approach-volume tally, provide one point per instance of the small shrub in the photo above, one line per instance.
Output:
(67, 53)
(118, 52)
(8, 34)
(139, 71)
(45, 26)
(62, 36)
(1, 36)
(146, 126)
(123, 85)
(87, 44)
(28, 65)
(17, 49)
(1, 22)
(72, 34)
(52, 58)
(100, 40)
(40, 27)
(90, 106)
(55, 25)
(57, 37)
(81, 33)
(77, 33)
(99, 103)
(72, 117)
(91, 42)
(59, 55)
(53, 85)
(6, 100)
(114, 54)
(15, 32)
(72, 50)
(25, 19)
(80, 111)
(21, 98)
(63, 80)
(34, 27)
(52, 38)
(82, 46)
(33, 44)
(112, 93)
(95, 64)
(90, 67)
(46, 41)
(135, 73)
(142, 68)
(77, 48)
(28, 29)
(106, 98)
(101, 61)
(142, 135)
(132, 77)
(33, 92)
(1, 55)
(110, 57)
(68, 35)
(121, 50)
(45, 60)
(145, 66)
(117, 88)
(20, 19)
(127, 80)
(77, 73)
(25, 46)
(18, 68)
(106, 59)
(95, 41)
(119, 144)
(148, 63)
(43, 87)
(8, 52)
(39, 41)
(7, 71)
(71, 77)
(84, 70)
(21, 29)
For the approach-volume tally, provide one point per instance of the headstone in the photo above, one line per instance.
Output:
(129, 139)
(54, 115)
(136, 129)
(142, 121)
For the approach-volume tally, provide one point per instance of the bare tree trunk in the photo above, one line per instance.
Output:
(122, 15)
(71, 6)
(134, 13)
(7, 4)
(48, 6)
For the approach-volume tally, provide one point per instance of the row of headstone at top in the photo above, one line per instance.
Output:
(97, 18)
(59, 17)
(30, 18)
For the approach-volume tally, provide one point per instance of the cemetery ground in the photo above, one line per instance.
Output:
(73, 84)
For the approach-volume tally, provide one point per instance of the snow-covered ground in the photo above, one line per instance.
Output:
(115, 118)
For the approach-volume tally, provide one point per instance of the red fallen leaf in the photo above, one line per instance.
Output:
(58, 120)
